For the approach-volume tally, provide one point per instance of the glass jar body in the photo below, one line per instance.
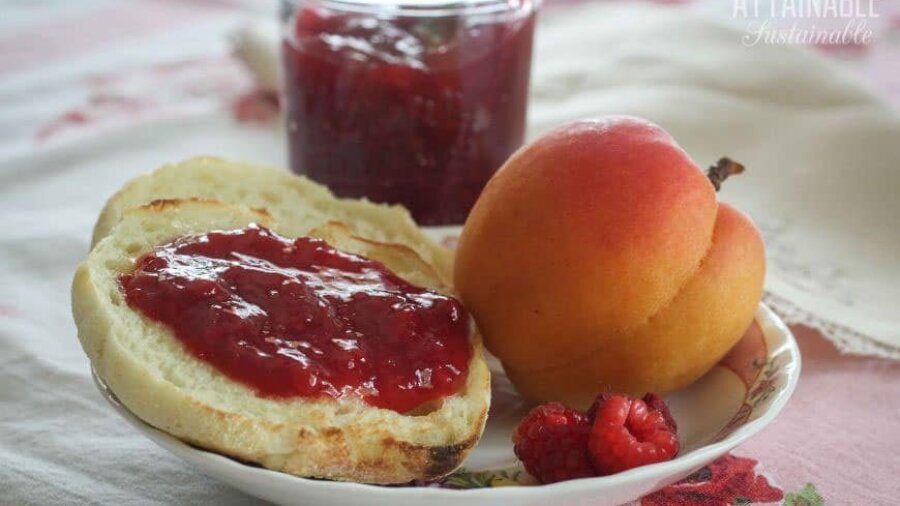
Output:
(403, 105)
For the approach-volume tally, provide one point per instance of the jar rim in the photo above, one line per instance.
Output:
(427, 8)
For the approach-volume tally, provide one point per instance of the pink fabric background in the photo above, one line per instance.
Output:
(839, 431)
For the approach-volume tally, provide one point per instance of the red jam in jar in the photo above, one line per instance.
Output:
(414, 103)
(298, 318)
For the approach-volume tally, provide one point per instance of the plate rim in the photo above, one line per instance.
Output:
(765, 316)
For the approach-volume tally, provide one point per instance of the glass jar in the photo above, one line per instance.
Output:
(412, 102)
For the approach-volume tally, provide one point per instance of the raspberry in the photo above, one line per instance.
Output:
(652, 400)
(656, 402)
(627, 434)
(552, 443)
(602, 397)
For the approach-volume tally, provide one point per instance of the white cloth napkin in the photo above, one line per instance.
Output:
(822, 182)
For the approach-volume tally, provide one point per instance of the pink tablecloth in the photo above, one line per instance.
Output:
(123, 76)
(831, 444)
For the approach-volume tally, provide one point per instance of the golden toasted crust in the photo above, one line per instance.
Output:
(296, 202)
(156, 379)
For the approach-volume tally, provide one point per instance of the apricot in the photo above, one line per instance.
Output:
(598, 259)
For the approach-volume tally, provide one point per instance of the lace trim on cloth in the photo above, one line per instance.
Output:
(844, 338)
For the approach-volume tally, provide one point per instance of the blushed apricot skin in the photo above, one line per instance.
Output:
(678, 344)
(598, 259)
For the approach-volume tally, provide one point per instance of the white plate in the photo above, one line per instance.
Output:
(736, 399)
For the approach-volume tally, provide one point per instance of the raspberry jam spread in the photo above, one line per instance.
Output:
(406, 108)
(300, 318)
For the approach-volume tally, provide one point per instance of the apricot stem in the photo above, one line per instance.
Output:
(719, 172)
